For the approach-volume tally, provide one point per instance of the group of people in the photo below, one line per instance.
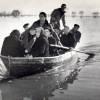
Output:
(36, 40)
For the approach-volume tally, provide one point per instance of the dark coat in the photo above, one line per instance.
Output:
(56, 15)
(52, 40)
(76, 36)
(67, 40)
(71, 39)
(40, 47)
(12, 47)
(27, 40)
(37, 24)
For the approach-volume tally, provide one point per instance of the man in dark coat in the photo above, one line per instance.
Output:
(42, 22)
(73, 36)
(41, 45)
(76, 34)
(12, 45)
(57, 15)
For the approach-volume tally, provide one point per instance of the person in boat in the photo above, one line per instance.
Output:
(26, 29)
(64, 31)
(12, 45)
(42, 22)
(76, 34)
(52, 40)
(29, 40)
(66, 38)
(41, 45)
(26, 26)
(57, 15)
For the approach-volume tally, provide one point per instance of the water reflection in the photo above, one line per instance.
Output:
(44, 85)
(37, 87)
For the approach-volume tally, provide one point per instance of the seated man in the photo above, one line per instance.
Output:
(29, 40)
(41, 45)
(12, 45)
(42, 22)
(76, 34)
(66, 38)
(71, 38)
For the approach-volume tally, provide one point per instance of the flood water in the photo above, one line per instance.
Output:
(84, 84)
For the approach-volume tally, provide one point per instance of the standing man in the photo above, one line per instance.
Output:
(57, 15)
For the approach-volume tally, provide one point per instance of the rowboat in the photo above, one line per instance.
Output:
(22, 66)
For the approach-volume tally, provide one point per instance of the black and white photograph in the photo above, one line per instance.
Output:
(49, 50)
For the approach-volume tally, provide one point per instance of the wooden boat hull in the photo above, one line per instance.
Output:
(26, 66)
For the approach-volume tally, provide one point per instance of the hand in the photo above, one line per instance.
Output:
(26, 51)
(71, 48)
(59, 43)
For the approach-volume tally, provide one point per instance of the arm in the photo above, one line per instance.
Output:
(55, 35)
(63, 20)
(4, 48)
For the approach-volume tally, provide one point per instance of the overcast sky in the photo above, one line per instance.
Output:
(35, 6)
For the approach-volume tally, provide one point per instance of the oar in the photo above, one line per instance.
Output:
(67, 48)
(56, 35)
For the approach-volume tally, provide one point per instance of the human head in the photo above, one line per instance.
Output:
(66, 30)
(32, 31)
(47, 32)
(25, 26)
(15, 33)
(76, 27)
(63, 7)
(42, 16)
(38, 31)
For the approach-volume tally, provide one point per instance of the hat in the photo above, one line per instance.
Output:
(25, 25)
(76, 25)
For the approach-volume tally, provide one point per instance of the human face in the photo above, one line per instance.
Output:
(25, 28)
(76, 28)
(47, 33)
(32, 31)
(42, 18)
(64, 8)
(38, 32)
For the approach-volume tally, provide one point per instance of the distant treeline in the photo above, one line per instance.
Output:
(16, 13)
(82, 14)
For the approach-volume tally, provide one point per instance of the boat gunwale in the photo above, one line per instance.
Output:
(26, 58)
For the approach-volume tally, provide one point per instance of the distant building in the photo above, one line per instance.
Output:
(15, 13)
(95, 14)
(81, 13)
(73, 14)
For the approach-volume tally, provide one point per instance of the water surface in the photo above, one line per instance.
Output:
(53, 85)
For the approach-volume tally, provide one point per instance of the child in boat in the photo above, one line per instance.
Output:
(12, 45)
(41, 46)
(67, 38)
